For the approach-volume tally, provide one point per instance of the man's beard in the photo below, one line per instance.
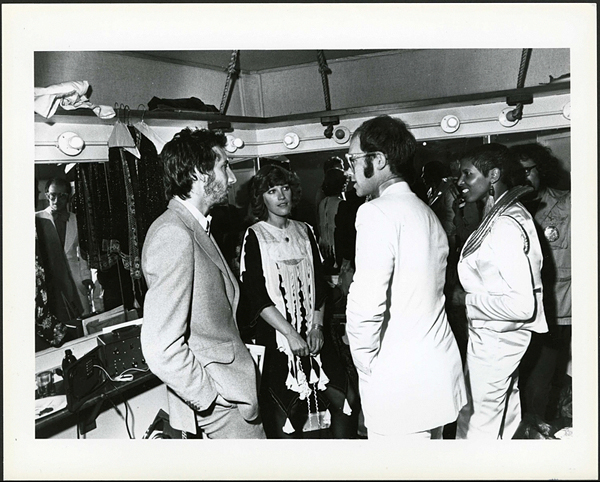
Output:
(214, 190)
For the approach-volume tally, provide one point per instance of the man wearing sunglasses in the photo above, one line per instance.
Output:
(410, 373)
(68, 276)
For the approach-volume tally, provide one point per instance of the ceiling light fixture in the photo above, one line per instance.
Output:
(233, 143)
(450, 124)
(341, 135)
(291, 140)
(504, 120)
(70, 143)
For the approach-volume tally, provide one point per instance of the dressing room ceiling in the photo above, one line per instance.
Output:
(250, 60)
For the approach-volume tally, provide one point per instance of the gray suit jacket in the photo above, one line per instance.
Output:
(190, 338)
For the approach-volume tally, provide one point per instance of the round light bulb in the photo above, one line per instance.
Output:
(450, 123)
(76, 142)
(291, 140)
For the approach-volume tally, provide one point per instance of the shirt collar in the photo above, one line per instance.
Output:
(203, 220)
(398, 186)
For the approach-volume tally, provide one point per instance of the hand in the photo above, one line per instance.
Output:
(297, 344)
(346, 276)
(458, 296)
(89, 284)
(326, 249)
(453, 188)
(315, 339)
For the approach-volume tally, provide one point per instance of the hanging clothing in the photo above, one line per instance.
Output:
(118, 201)
(147, 131)
(121, 137)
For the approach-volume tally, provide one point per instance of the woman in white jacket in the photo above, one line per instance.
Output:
(499, 269)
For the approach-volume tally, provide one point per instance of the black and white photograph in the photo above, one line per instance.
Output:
(300, 241)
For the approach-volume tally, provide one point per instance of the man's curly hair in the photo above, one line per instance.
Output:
(548, 166)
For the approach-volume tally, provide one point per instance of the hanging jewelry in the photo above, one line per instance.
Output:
(492, 192)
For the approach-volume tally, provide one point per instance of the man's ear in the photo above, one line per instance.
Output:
(199, 175)
(380, 161)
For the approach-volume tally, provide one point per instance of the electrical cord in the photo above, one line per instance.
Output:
(122, 377)
(126, 418)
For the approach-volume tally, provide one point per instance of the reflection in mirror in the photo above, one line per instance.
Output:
(90, 226)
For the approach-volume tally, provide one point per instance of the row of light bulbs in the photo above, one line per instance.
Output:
(71, 144)
(449, 124)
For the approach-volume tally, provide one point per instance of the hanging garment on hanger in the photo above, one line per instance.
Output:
(146, 130)
(121, 137)
(70, 96)
(151, 200)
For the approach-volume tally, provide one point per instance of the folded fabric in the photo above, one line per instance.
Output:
(193, 103)
(70, 96)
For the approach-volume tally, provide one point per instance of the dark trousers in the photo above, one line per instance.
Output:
(543, 371)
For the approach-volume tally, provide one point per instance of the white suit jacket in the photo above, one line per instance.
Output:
(503, 277)
(410, 370)
(78, 266)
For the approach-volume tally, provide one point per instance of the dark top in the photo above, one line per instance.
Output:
(345, 229)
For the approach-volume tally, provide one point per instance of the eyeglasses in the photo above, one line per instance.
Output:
(351, 158)
(53, 196)
(529, 169)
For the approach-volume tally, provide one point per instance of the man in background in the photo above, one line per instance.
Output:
(333, 162)
(409, 367)
(68, 276)
(189, 337)
(545, 362)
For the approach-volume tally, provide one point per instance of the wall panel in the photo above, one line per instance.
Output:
(404, 76)
(132, 80)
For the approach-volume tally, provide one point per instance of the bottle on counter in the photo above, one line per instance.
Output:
(68, 360)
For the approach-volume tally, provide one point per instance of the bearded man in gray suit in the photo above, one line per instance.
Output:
(190, 338)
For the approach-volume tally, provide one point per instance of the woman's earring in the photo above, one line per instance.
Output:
(492, 192)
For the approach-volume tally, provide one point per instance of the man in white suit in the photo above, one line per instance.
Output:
(410, 373)
(69, 278)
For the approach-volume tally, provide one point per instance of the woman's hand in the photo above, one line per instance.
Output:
(458, 296)
(315, 339)
(297, 344)
(326, 249)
